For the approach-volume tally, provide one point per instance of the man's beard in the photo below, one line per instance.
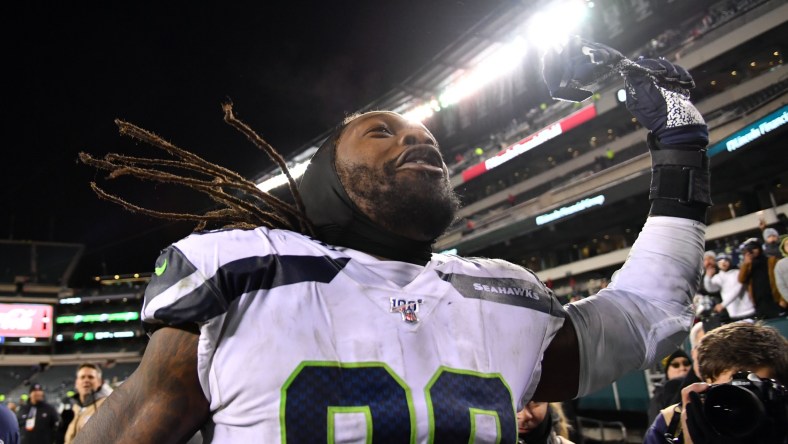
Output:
(405, 203)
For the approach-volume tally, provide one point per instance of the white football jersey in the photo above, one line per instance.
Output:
(302, 342)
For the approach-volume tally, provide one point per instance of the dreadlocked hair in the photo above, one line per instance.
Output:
(246, 207)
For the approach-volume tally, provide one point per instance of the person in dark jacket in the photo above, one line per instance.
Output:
(676, 367)
(38, 421)
(757, 272)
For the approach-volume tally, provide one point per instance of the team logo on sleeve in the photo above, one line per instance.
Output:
(160, 269)
(407, 309)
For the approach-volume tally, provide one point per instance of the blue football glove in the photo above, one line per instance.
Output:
(577, 64)
(659, 98)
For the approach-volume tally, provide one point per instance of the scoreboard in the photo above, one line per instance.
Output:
(26, 324)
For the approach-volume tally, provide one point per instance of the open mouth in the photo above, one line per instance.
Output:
(421, 157)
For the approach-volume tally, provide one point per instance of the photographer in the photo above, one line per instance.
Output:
(750, 410)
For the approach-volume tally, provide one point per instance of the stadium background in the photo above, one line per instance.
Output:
(558, 187)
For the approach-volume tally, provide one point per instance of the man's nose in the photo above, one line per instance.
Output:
(416, 137)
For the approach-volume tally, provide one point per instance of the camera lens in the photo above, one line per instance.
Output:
(733, 411)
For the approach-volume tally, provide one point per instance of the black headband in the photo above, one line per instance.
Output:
(338, 221)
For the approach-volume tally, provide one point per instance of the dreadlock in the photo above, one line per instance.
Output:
(248, 207)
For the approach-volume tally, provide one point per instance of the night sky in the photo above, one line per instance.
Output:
(292, 69)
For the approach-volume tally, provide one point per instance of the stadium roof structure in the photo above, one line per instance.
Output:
(33, 267)
(499, 26)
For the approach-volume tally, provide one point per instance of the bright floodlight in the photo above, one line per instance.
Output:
(421, 112)
(297, 171)
(503, 60)
(547, 28)
(551, 27)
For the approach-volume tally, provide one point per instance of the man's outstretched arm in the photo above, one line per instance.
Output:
(646, 310)
(161, 402)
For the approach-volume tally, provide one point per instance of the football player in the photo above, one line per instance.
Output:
(343, 326)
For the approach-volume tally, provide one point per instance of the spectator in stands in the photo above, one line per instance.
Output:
(771, 243)
(696, 335)
(734, 347)
(757, 273)
(709, 264)
(676, 367)
(735, 299)
(92, 394)
(781, 270)
(9, 428)
(542, 423)
(38, 421)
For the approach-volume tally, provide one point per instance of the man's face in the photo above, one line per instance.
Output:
(36, 396)
(393, 171)
(772, 239)
(678, 367)
(87, 382)
(724, 264)
(708, 261)
(531, 416)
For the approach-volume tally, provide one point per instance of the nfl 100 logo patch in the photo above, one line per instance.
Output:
(407, 309)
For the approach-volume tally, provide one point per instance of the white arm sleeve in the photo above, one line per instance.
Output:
(646, 311)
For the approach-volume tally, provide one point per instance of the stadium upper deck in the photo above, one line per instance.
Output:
(569, 206)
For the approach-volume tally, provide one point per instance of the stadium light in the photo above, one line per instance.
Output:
(280, 179)
(621, 95)
(502, 60)
(551, 26)
(546, 28)
(74, 300)
(422, 112)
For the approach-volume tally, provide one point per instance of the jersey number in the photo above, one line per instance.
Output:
(317, 392)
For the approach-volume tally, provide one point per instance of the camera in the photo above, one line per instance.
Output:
(747, 408)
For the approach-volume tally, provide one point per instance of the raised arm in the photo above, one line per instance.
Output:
(646, 310)
(161, 402)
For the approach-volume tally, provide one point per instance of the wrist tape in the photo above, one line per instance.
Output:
(679, 174)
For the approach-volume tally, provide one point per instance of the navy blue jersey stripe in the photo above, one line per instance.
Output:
(246, 275)
(508, 291)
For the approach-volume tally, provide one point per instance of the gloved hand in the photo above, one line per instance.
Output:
(660, 102)
(658, 96)
(578, 63)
